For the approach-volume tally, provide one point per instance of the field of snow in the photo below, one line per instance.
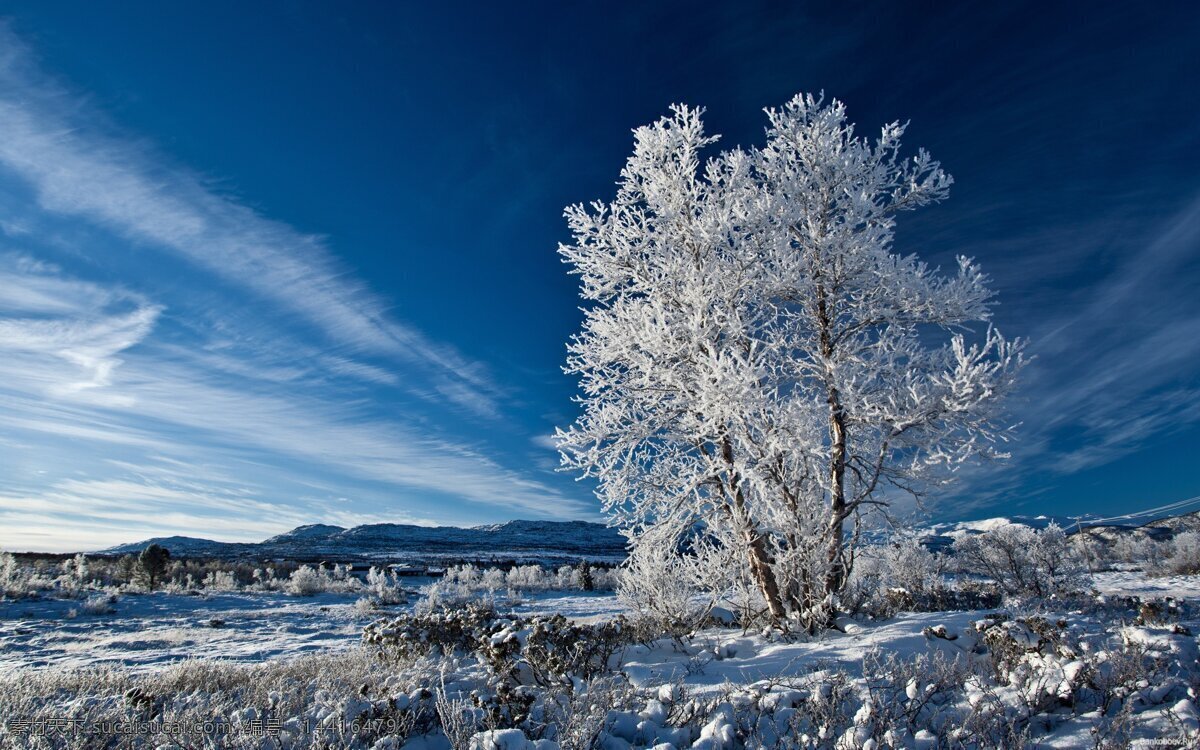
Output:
(730, 677)
(148, 630)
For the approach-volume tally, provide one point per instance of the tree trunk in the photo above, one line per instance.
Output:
(835, 575)
(757, 553)
(764, 574)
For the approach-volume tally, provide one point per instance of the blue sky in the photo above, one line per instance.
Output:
(271, 264)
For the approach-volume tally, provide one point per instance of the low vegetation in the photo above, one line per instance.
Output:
(1044, 657)
(475, 678)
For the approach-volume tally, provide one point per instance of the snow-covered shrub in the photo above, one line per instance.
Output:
(898, 576)
(493, 580)
(1182, 556)
(466, 584)
(1095, 553)
(75, 572)
(12, 578)
(19, 581)
(448, 593)
(1010, 643)
(1021, 560)
(658, 584)
(100, 604)
(527, 578)
(321, 701)
(908, 695)
(577, 717)
(307, 581)
(1137, 548)
(220, 580)
(384, 587)
(552, 651)
(459, 718)
(441, 632)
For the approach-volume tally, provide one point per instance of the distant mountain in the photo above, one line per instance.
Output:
(1159, 524)
(182, 546)
(312, 531)
(566, 541)
(552, 541)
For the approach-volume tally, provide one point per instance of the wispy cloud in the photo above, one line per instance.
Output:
(136, 407)
(77, 171)
(76, 324)
(1113, 370)
(59, 379)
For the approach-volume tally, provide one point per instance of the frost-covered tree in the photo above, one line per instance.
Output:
(755, 360)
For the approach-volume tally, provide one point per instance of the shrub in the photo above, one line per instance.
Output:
(384, 587)
(220, 580)
(657, 584)
(552, 651)
(100, 604)
(317, 697)
(898, 576)
(1182, 555)
(1022, 561)
(543, 651)
(440, 632)
(308, 581)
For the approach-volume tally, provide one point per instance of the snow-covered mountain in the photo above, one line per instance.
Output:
(1159, 523)
(557, 541)
(543, 540)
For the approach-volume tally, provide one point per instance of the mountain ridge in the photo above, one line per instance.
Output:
(520, 539)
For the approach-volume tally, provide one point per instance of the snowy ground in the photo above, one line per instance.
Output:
(718, 665)
(1136, 583)
(148, 630)
(151, 629)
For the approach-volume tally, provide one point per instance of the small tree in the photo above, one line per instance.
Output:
(756, 361)
(586, 581)
(153, 563)
(126, 568)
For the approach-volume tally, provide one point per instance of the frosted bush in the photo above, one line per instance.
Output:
(220, 580)
(12, 580)
(1136, 548)
(76, 569)
(99, 604)
(900, 575)
(493, 580)
(1022, 561)
(466, 583)
(1183, 555)
(527, 578)
(384, 587)
(20, 582)
(316, 698)
(307, 581)
(657, 583)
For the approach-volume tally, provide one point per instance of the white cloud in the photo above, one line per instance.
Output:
(77, 171)
(218, 419)
(61, 376)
